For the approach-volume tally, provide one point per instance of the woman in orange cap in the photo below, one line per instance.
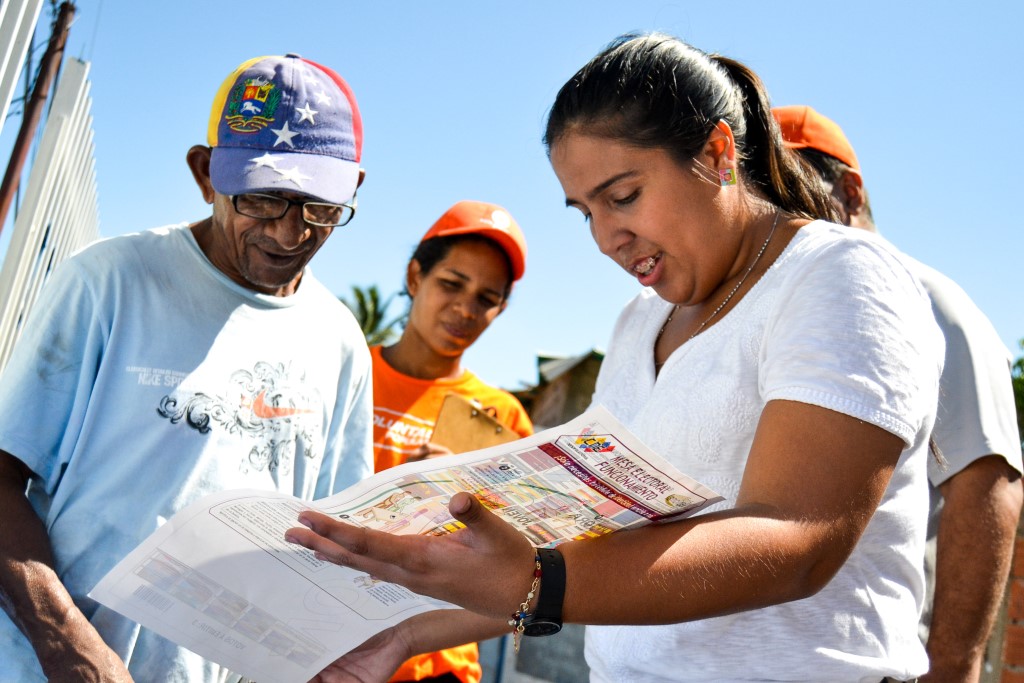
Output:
(790, 363)
(458, 280)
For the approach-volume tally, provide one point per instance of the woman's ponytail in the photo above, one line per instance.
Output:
(655, 91)
(785, 178)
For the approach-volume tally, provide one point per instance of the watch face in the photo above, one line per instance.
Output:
(542, 628)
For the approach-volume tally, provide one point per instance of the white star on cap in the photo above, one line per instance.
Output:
(284, 135)
(267, 159)
(293, 175)
(322, 98)
(307, 114)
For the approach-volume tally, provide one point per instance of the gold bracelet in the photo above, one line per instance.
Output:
(516, 622)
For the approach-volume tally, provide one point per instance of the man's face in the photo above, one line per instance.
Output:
(261, 254)
(266, 255)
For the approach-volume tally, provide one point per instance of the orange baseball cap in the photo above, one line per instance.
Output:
(803, 127)
(490, 220)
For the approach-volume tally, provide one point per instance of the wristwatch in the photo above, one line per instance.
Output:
(546, 620)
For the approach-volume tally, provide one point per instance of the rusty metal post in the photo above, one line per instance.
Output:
(48, 68)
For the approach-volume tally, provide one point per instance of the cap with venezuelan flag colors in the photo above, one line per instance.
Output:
(285, 124)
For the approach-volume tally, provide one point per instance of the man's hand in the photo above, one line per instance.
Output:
(376, 660)
(372, 662)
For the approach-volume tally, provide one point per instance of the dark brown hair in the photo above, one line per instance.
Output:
(655, 91)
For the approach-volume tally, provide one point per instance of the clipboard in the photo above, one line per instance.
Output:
(463, 425)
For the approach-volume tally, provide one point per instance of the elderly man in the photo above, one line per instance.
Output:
(164, 365)
(976, 494)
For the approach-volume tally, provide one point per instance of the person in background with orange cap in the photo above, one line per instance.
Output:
(458, 280)
(161, 366)
(976, 498)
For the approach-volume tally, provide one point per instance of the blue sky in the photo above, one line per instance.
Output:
(454, 97)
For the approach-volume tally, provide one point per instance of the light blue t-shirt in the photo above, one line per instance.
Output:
(145, 379)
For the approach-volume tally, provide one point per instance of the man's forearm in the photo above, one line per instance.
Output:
(981, 507)
(31, 594)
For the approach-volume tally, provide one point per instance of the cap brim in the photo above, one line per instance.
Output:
(235, 170)
(508, 244)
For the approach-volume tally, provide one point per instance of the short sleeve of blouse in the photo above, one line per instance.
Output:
(854, 333)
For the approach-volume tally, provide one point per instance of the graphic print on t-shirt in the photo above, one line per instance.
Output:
(278, 413)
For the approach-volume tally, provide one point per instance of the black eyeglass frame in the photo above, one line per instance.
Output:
(348, 210)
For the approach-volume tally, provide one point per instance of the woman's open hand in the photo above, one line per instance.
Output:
(487, 567)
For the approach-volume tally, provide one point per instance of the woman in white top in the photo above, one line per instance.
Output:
(787, 362)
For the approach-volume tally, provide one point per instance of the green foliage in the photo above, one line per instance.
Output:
(371, 313)
(1017, 373)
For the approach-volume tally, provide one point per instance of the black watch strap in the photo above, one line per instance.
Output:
(546, 620)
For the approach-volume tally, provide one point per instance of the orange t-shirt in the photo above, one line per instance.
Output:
(404, 410)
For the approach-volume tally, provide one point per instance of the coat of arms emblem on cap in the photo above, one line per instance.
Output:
(251, 105)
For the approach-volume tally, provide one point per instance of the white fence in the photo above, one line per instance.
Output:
(58, 212)
(17, 23)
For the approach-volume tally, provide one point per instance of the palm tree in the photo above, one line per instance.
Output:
(371, 312)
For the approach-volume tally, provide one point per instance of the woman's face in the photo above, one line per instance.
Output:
(456, 301)
(658, 220)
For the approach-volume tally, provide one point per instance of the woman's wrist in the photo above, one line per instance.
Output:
(518, 619)
(546, 617)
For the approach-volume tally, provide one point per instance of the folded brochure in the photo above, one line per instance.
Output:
(219, 579)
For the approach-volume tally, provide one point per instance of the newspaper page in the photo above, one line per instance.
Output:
(219, 579)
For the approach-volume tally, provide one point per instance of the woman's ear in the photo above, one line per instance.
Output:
(720, 150)
(413, 275)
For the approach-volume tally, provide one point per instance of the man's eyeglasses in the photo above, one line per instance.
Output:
(269, 207)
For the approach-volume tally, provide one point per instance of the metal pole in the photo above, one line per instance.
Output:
(48, 68)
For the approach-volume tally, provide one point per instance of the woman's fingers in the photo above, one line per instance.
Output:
(464, 506)
(485, 530)
(362, 549)
(486, 567)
